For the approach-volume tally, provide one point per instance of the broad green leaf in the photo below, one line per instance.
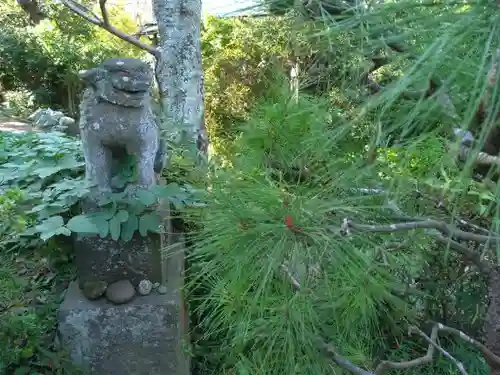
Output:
(105, 214)
(114, 228)
(178, 204)
(483, 209)
(137, 208)
(30, 232)
(118, 182)
(149, 222)
(48, 171)
(167, 191)
(122, 216)
(51, 224)
(60, 231)
(100, 220)
(27, 352)
(118, 196)
(38, 208)
(106, 199)
(52, 210)
(103, 228)
(24, 370)
(82, 224)
(146, 197)
(129, 227)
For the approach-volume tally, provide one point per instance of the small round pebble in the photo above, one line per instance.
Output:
(120, 292)
(94, 289)
(145, 287)
(162, 289)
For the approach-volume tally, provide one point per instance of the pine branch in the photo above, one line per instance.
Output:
(444, 228)
(426, 359)
(383, 366)
(481, 158)
(488, 354)
(432, 89)
(103, 23)
(444, 234)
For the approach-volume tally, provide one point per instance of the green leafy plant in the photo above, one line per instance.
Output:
(47, 170)
(121, 215)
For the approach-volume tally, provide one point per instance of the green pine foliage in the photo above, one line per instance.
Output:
(244, 251)
(270, 290)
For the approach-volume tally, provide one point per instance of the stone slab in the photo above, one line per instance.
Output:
(107, 260)
(142, 337)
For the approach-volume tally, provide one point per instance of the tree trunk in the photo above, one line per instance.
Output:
(179, 70)
(492, 322)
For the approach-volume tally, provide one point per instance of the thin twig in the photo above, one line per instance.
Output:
(483, 266)
(85, 13)
(82, 11)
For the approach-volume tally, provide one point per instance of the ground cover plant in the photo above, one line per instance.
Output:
(33, 272)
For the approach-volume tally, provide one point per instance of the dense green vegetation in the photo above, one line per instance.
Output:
(279, 260)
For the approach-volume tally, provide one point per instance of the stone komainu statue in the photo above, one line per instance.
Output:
(116, 112)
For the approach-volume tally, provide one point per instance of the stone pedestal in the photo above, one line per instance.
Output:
(143, 337)
(107, 260)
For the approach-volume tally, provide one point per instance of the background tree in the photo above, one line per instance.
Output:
(178, 68)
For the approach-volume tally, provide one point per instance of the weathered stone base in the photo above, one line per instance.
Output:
(106, 260)
(142, 337)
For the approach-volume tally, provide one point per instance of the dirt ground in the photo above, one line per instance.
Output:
(15, 126)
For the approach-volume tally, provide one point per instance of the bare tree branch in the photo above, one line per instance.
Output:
(87, 14)
(445, 236)
(424, 360)
(104, 12)
(482, 158)
(82, 11)
(341, 361)
(474, 257)
(432, 342)
(444, 228)
(383, 366)
(292, 279)
(471, 255)
(488, 354)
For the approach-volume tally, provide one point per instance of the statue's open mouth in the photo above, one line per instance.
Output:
(139, 93)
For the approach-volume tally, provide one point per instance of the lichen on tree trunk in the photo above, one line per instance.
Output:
(179, 70)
